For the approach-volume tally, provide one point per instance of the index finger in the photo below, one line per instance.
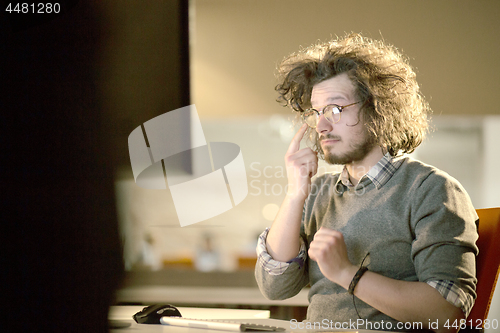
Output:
(295, 144)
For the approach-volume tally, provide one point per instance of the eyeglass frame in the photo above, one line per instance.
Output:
(322, 112)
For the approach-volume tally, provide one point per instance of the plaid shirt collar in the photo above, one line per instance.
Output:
(379, 174)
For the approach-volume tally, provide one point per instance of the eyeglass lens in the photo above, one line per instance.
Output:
(331, 113)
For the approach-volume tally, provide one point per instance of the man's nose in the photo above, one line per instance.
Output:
(323, 126)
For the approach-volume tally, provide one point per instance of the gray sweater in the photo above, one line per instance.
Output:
(418, 226)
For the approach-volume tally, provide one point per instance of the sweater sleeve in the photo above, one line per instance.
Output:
(444, 248)
(276, 279)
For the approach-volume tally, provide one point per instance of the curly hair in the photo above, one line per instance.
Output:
(394, 111)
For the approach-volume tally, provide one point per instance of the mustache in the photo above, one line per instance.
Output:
(329, 137)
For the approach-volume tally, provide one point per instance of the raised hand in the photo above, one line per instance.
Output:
(328, 249)
(301, 165)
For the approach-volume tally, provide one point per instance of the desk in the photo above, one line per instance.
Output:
(227, 297)
(125, 313)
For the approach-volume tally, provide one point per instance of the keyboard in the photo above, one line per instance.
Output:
(223, 325)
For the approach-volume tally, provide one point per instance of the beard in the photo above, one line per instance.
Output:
(357, 150)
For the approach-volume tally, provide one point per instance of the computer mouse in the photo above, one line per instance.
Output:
(152, 314)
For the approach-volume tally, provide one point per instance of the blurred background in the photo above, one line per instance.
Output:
(234, 48)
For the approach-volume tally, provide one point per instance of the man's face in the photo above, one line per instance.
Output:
(347, 141)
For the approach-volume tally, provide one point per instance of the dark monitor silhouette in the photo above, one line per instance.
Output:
(60, 149)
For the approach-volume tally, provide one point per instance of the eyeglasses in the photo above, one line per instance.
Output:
(331, 113)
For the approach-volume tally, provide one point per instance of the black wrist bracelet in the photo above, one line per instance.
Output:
(362, 269)
(356, 278)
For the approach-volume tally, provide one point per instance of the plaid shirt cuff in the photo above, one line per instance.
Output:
(274, 267)
(453, 294)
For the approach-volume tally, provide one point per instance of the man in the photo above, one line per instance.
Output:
(389, 240)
